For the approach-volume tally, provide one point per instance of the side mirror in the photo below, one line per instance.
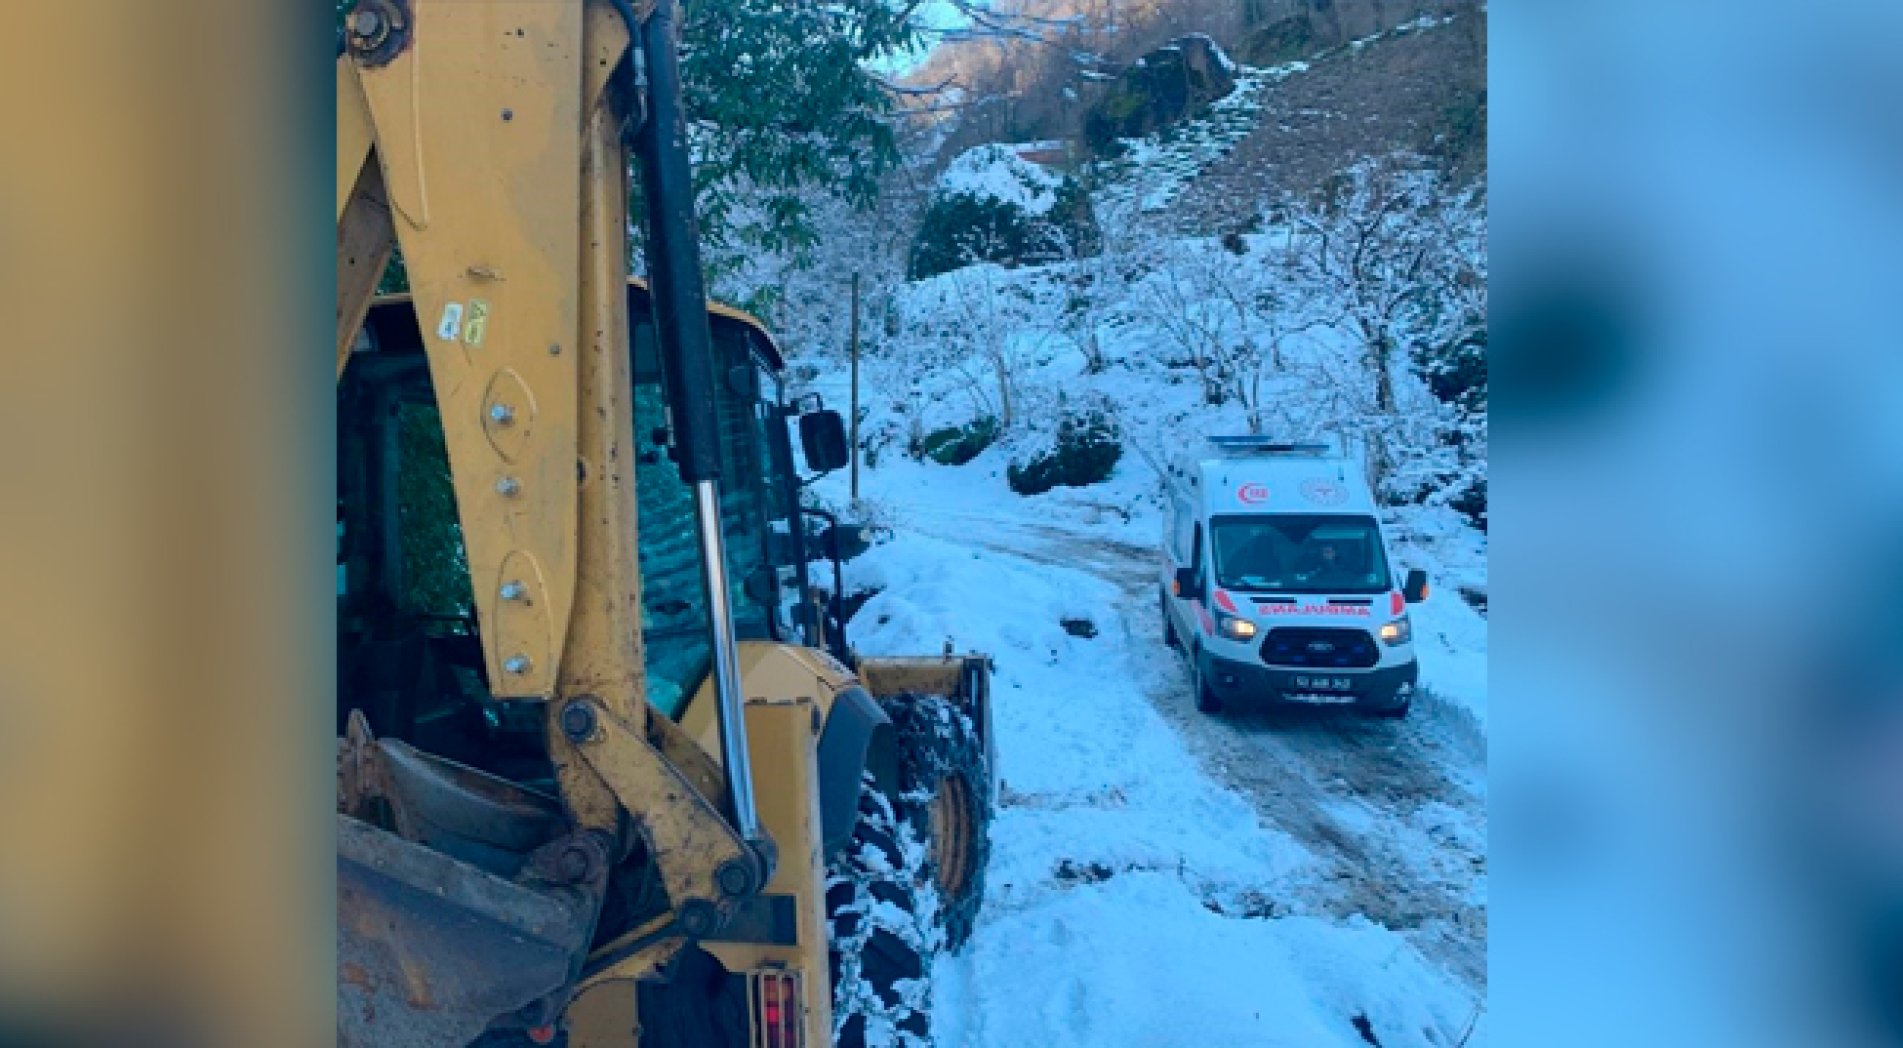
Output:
(823, 440)
(1185, 583)
(1414, 590)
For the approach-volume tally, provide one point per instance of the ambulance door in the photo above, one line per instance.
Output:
(1185, 601)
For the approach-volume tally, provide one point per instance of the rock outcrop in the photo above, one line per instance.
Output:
(1164, 87)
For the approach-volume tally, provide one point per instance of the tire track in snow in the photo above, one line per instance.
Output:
(1396, 812)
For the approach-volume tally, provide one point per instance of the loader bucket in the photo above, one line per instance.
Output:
(430, 950)
(960, 677)
(965, 679)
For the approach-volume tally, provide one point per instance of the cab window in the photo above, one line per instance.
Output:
(1304, 553)
(1179, 537)
(676, 623)
(745, 503)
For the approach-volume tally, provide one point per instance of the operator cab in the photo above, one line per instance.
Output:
(1278, 581)
(408, 648)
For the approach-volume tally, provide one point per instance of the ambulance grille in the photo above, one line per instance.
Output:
(1320, 648)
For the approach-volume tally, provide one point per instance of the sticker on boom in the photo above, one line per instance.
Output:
(1252, 494)
(450, 328)
(478, 323)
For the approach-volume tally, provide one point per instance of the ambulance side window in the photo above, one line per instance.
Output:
(1196, 555)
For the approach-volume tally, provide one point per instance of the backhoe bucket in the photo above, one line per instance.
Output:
(442, 924)
(431, 950)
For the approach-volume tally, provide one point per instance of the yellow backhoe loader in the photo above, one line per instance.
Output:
(607, 772)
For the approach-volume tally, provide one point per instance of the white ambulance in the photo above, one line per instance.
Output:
(1278, 583)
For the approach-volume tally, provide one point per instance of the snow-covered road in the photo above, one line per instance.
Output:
(1160, 877)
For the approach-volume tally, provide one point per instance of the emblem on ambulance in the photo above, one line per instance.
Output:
(1252, 494)
(1324, 492)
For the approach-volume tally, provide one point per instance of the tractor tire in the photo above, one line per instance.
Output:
(883, 932)
(945, 796)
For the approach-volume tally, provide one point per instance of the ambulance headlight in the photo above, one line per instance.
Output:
(1400, 631)
(1235, 628)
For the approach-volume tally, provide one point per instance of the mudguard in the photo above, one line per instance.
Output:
(857, 738)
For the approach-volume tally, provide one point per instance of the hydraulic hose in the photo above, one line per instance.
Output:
(679, 295)
(626, 11)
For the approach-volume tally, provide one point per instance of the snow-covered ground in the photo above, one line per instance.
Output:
(1159, 877)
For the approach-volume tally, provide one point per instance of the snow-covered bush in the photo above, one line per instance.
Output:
(1471, 502)
(991, 205)
(957, 445)
(1456, 374)
(1456, 371)
(1087, 447)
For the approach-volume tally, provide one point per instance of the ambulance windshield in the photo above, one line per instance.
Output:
(1299, 554)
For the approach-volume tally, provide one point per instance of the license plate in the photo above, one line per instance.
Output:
(1325, 683)
(1320, 698)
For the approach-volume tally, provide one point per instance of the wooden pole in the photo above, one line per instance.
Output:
(855, 387)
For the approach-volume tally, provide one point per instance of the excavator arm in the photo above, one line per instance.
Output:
(490, 140)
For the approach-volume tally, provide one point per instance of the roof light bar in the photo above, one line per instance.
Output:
(1267, 445)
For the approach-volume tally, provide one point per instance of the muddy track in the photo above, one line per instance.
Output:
(1394, 813)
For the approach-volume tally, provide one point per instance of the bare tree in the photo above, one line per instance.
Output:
(1390, 243)
(978, 324)
(1231, 311)
(1079, 317)
(1096, 278)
